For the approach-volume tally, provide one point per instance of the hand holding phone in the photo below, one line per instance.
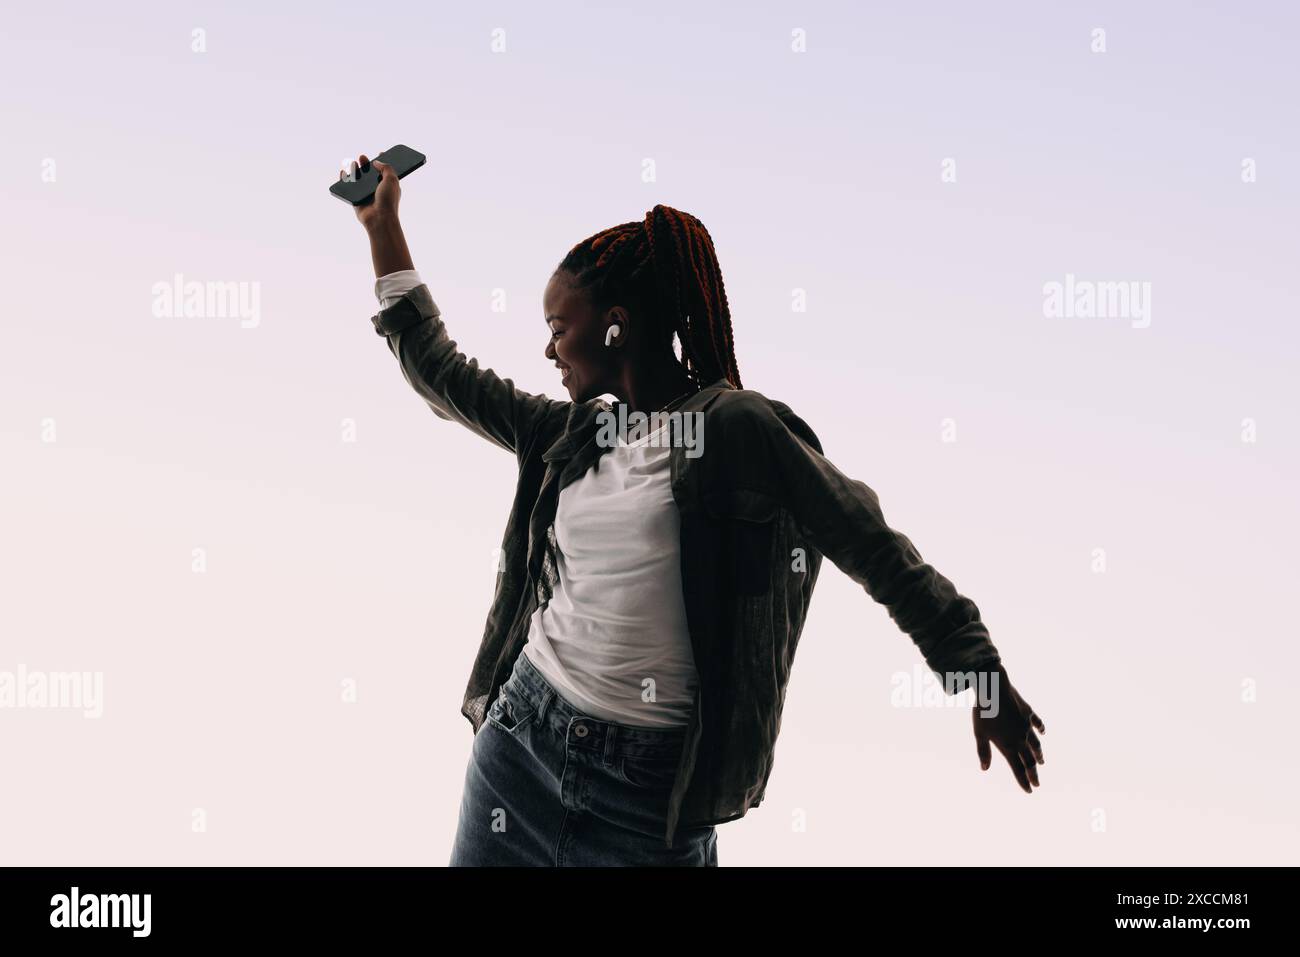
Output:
(372, 188)
(382, 206)
(358, 185)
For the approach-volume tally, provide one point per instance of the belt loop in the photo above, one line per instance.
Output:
(547, 696)
(611, 738)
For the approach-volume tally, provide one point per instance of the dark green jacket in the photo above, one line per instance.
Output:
(759, 508)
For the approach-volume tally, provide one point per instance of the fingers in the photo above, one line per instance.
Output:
(360, 164)
(982, 746)
(1036, 747)
(1018, 769)
(1024, 763)
(1020, 756)
(1037, 722)
(1031, 765)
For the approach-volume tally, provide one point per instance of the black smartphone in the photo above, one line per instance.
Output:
(361, 190)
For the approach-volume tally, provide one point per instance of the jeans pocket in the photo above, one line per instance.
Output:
(511, 710)
(651, 772)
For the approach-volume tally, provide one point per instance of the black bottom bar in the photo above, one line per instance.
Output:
(429, 906)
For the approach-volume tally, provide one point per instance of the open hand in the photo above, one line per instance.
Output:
(1012, 730)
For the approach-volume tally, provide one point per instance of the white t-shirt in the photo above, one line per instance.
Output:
(613, 640)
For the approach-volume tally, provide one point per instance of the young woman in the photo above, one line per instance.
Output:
(653, 584)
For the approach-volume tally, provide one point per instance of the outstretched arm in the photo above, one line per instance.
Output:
(452, 384)
(843, 519)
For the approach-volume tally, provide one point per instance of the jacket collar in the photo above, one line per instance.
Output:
(581, 427)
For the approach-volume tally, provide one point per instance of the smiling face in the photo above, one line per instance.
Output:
(577, 340)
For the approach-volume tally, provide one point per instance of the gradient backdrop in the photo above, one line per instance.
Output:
(889, 189)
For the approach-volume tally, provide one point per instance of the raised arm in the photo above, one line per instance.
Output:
(452, 384)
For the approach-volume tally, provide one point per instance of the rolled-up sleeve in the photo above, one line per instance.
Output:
(394, 285)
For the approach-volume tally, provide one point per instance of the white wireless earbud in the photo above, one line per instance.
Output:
(611, 332)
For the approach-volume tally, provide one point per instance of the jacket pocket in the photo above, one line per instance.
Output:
(746, 523)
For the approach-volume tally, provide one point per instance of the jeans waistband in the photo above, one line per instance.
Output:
(547, 707)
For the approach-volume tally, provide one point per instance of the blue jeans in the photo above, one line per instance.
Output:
(548, 786)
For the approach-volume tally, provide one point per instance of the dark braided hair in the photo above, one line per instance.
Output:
(666, 268)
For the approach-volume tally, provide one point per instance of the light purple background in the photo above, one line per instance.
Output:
(819, 171)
